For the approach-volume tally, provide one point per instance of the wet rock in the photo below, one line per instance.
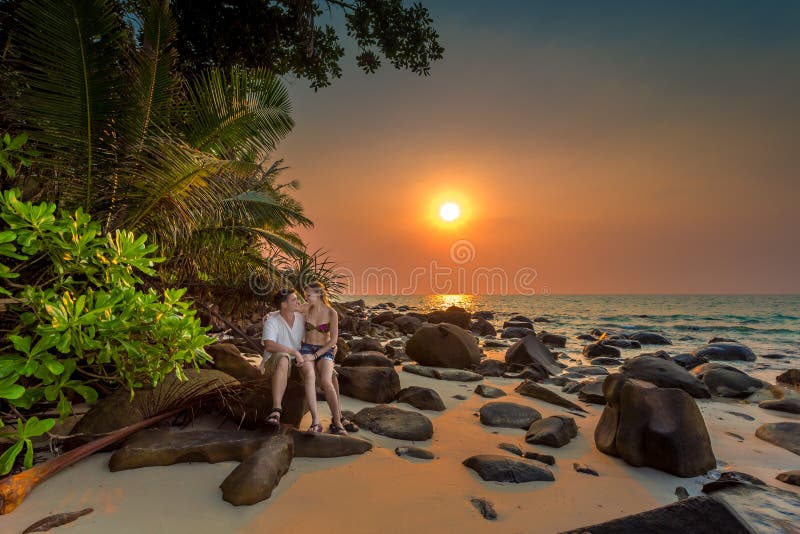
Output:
(554, 431)
(622, 343)
(656, 427)
(367, 359)
(421, 398)
(508, 415)
(371, 384)
(790, 477)
(484, 314)
(785, 434)
(255, 478)
(497, 468)
(443, 345)
(787, 404)
(585, 469)
(790, 377)
(414, 452)
(592, 391)
(726, 352)
(395, 423)
(518, 324)
(594, 350)
(529, 351)
(765, 508)
(517, 332)
(407, 324)
(726, 381)
(485, 508)
(366, 344)
(688, 361)
(534, 390)
(489, 392)
(665, 374)
(650, 338)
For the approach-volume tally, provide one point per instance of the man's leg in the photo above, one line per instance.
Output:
(280, 378)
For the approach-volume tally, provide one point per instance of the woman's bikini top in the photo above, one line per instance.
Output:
(324, 327)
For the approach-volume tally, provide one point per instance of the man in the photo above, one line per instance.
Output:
(282, 337)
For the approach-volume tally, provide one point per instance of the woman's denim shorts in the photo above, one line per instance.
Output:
(309, 349)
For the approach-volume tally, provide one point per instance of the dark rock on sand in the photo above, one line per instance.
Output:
(785, 434)
(588, 370)
(489, 367)
(688, 361)
(460, 397)
(585, 469)
(591, 391)
(790, 477)
(366, 344)
(508, 415)
(656, 427)
(318, 445)
(665, 374)
(697, 515)
(371, 384)
(731, 478)
(529, 351)
(726, 352)
(510, 447)
(485, 508)
(421, 398)
(455, 375)
(544, 458)
(534, 390)
(527, 373)
(383, 317)
(444, 345)
(489, 392)
(650, 338)
(726, 381)
(395, 423)
(606, 361)
(482, 327)
(497, 468)
(743, 416)
(786, 404)
(790, 377)
(414, 452)
(453, 315)
(593, 350)
(554, 431)
(256, 477)
(367, 359)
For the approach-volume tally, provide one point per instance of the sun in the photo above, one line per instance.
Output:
(449, 211)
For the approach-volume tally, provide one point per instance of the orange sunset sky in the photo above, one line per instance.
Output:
(611, 147)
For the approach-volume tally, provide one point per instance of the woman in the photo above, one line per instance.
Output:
(322, 333)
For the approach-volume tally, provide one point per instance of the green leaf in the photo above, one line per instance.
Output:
(7, 458)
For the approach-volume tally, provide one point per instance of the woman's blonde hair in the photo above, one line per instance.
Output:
(323, 291)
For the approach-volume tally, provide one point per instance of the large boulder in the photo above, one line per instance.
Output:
(444, 345)
(656, 427)
(497, 468)
(421, 398)
(554, 431)
(452, 315)
(508, 415)
(531, 352)
(256, 477)
(726, 381)
(726, 352)
(535, 391)
(367, 359)
(395, 423)
(371, 384)
(665, 374)
(784, 434)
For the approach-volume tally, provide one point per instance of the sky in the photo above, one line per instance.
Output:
(594, 148)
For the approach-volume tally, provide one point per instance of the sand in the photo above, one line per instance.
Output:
(381, 492)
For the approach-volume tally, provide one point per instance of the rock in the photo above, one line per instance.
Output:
(371, 384)
(407, 324)
(726, 381)
(489, 392)
(366, 344)
(790, 377)
(773, 356)
(395, 423)
(456, 375)
(553, 431)
(726, 352)
(764, 508)
(497, 468)
(444, 345)
(742, 415)
(665, 374)
(656, 427)
(592, 391)
(228, 359)
(482, 327)
(527, 373)
(790, 477)
(414, 452)
(495, 344)
(452, 315)
(785, 434)
(489, 367)
(421, 398)
(622, 343)
(571, 387)
(606, 361)
(593, 350)
(151, 447)
(650, 338)
(662, 354)
(555, 340)
(697, 515)
(540, 319)
(731, 478)
(583, 468)
(508, 415)
(717, 339)
(518, 324)
(517, 332)
(421, 370)
(483, 314)
(318, 445)
(534, 390)
(529, 351)
(681, 493)
(588, 370)
(367, 359)
(256, 477)
(510, 447)
(787, 404)
(383, 317)
(484, 507)
(460, 397)
(688, 361)
(544, 458)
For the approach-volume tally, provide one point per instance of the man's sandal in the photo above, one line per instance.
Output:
(274, 417)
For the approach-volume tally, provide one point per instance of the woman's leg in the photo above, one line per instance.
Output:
(307, 372)
(325, 367)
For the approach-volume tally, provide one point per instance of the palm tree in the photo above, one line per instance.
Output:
(184, 161)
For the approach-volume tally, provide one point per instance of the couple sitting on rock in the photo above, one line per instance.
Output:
(304, 335)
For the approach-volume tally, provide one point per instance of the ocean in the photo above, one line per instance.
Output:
(768, 324)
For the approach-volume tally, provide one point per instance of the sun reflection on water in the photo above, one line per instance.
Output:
(445, 301)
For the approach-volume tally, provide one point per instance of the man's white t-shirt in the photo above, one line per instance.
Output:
(276, 329)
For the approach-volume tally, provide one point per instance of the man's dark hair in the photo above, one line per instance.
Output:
(280, 297)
